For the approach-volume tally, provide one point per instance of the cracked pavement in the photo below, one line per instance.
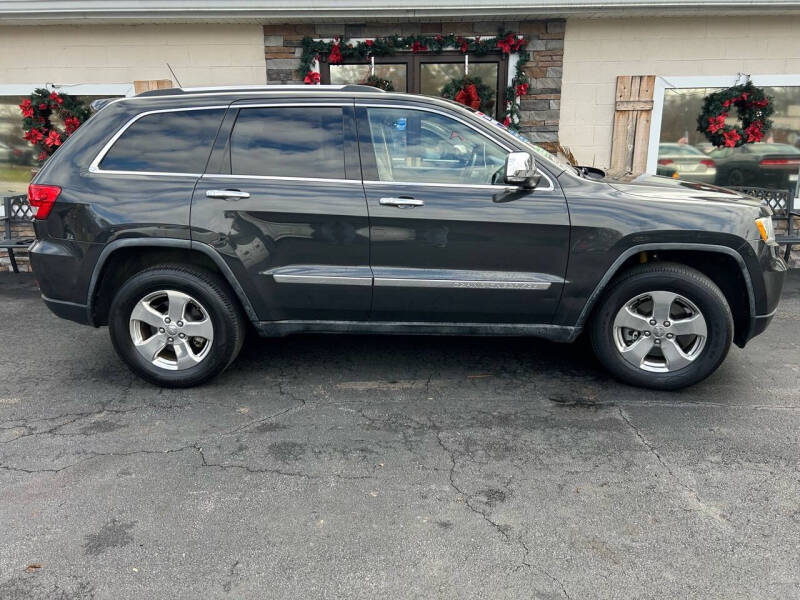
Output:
(395, 467)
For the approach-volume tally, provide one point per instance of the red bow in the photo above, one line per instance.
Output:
(468, 96)
(335, 56)
(507, 44)
(417, 47)
(522, 89)
(463, 43)
(369, 43)
(311, 78)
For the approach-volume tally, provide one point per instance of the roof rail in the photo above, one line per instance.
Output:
(260, 88)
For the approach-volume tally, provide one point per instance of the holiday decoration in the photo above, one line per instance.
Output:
(506, 43)
(470, 91)
(378, 82)
(753, 108)
(38, 112)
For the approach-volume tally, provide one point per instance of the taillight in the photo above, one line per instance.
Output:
(780, 162)
(708, 162)
(664, 161)
(42, 198)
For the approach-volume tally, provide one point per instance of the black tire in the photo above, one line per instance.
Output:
(211, 291)
(670, 277)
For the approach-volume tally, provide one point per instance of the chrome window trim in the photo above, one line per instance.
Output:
(482, 186)
(94, 166)
(278, 178)
(551, 187)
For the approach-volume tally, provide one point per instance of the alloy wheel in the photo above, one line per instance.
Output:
(660, 332)
(171, 330)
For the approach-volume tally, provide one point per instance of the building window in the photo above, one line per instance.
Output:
(426, 73)
(685, 153)
(17, 156)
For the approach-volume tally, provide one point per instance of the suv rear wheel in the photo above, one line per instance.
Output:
(662, 326)
(176, 326)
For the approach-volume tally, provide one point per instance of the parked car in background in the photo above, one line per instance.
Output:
(705, 147)
(682, 161)
(758, 165)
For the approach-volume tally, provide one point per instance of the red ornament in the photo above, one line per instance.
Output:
(521, 89)
(43, 106)
(53, 139)
(417, 47)
(27, 108)
(311, 78)
(731, 137)
(369, 43)
(716, 124)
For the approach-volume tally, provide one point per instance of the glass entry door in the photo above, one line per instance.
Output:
(426, 73)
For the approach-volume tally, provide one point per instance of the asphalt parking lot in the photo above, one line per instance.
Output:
(393, 467)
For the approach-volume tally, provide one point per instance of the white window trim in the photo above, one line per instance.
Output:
(76, 89)
(699, 81)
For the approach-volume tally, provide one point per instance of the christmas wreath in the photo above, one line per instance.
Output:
(753, 108)
(470, 91)
(378, 82)
(38, 112)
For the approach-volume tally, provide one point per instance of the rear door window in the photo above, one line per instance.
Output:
(289, 142)
(166, 142)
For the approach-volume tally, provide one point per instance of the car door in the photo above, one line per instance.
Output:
(282, 201)
(450, 242)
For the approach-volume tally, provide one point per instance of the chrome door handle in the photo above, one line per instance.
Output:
(401, 202)
(227, 194)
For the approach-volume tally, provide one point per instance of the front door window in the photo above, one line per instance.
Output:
(424, 147)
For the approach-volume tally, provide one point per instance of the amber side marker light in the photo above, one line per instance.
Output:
(766, 230)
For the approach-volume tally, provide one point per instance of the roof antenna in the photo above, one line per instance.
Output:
(173, 75)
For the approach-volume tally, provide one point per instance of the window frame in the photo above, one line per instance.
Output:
(413, 64)
(664, 83)
(94, 166)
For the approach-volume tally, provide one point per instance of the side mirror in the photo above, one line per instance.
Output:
(521, 170)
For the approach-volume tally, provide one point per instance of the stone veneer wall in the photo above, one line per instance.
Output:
(540, 108)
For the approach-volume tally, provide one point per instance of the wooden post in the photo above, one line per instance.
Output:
(145, 85)
(632, 115)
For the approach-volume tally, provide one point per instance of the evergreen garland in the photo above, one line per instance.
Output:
(342, 49)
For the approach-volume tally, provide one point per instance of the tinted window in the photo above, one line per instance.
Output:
(288, 142)
(169, 142)
(418, 146)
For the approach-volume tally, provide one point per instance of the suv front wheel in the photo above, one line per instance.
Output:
(662, 326)
(176, 326)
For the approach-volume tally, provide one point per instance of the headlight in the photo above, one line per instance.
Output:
(766, 230)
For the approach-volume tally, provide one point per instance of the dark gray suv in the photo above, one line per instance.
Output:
(181, 218)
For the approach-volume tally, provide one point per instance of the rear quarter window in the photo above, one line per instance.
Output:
(165, 142)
